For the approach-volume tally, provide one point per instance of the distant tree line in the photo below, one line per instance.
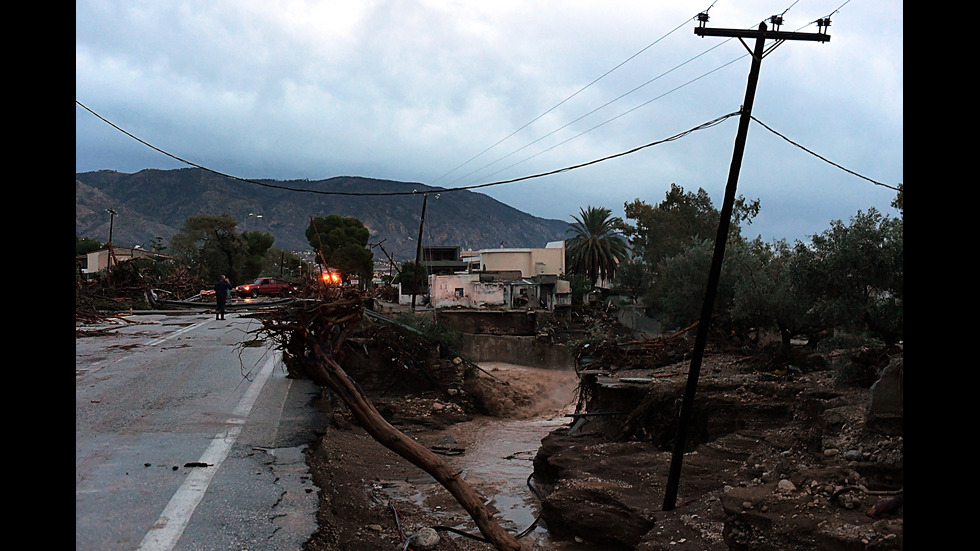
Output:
(209, 246)
(848, 278)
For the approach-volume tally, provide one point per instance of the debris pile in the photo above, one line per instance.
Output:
(312, 336)
(132, 284)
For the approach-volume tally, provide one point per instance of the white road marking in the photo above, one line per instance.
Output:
(176, 333)
(165, 532)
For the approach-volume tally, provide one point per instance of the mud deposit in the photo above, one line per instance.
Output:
(777, 461)
(373, 499)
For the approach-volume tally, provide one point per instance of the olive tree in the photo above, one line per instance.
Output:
(763, 293)
(341, 243)
(682, 220)
(211, 246)
(412, 277)
(855, 275)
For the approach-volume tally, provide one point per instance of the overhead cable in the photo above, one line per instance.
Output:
(559, 104)
(821, 157)
(416, 192)
(623, 114)
(603, 106)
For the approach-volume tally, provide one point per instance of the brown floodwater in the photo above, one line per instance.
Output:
(494, 455)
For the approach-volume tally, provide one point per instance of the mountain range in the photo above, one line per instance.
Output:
(153, 204)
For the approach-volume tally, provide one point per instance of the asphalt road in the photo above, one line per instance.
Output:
(186, 440)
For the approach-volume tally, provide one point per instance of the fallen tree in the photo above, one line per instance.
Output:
(310, 335)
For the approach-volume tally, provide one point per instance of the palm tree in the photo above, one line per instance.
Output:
(596, 248)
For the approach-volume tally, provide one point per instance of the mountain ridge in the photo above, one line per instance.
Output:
(154, 203)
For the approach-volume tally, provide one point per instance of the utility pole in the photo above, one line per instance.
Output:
(714, 273)
(418, 251)
(112, 252)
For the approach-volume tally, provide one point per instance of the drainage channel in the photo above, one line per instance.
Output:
(495, 458)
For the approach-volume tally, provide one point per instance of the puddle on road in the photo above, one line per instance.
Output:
(496, 463)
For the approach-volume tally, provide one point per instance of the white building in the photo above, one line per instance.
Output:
(96, 261)
(505, 278)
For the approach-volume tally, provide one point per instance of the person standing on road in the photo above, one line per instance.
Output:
(222, 289)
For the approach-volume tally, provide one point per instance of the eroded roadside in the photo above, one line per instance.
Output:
(371, 498)
(780, 461)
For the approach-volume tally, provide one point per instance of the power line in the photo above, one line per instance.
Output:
(822, 157)
(414, 192)
(623, 114)
(559, 104)
(704, 13)
(603, 106)
(702, 126)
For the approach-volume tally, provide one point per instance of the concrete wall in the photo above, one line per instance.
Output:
(443, 291)
(96, 261)
(527, 351)
(531, 262)
(507, 259)
(490, 322)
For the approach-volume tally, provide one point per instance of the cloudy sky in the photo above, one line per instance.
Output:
(454, 93)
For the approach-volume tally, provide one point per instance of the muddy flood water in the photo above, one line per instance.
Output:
(495, 454)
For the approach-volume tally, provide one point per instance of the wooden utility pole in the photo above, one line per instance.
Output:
(418, 251)
(714, 273)
(112, 251)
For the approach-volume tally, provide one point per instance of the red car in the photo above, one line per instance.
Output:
(268, 286)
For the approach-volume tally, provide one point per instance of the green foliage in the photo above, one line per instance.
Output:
(211, 246)
(156, 245)
(849, 358)
(899, 201)
(85, 245)
(595, 249)
(449, 340)
(850, 279)
(763, 294)
(580, 285)
(855, 274)
(341, 243)
(682, 279)
(669, 228)
(632, 279)
(257, 244)
(412, 281)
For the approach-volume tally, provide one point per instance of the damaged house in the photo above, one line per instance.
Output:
(102, 259)
(501, 278)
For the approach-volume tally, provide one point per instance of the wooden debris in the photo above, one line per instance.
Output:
(310, 336)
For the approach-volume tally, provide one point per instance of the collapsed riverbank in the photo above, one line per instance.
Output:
(370, 498)
(782, 455)
(779, 463)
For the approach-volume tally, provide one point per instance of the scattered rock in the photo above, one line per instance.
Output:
(425, 539)
(785, 486)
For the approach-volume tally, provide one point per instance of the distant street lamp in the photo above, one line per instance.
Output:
(249, 216)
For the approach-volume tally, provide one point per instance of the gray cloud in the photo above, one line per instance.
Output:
(410, 90)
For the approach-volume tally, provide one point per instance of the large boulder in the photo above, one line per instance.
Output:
(885, 407)
(599, 511)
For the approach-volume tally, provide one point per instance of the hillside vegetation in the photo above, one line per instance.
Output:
(153, 204)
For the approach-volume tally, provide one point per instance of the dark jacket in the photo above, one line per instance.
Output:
(221, 289)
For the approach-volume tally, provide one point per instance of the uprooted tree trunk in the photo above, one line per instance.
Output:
(310, 338)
